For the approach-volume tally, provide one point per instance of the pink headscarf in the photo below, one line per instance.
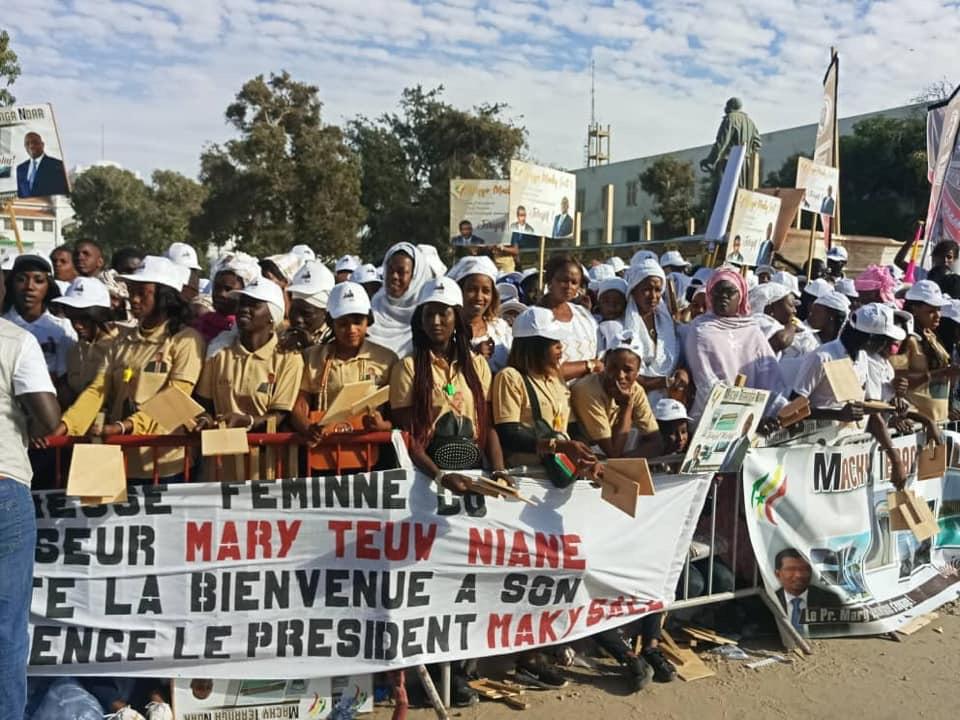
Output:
(736, 279)
(877, 278)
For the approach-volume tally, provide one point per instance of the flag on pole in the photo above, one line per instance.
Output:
(827, 126)
(943, 211)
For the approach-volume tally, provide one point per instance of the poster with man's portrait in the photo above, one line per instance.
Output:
(726, 430)
(31, 158)
(542, 200)
(751, 240)
(821, 183)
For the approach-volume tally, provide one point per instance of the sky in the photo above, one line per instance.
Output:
(156, 77)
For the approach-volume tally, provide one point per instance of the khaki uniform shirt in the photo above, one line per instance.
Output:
(511, 405)
(597, 412)
(137, 366)
(84, 360)
(372, 362)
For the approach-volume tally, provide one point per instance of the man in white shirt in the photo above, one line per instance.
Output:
(27, 398)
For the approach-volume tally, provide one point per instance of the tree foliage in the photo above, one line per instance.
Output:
(288, 178)
(9, 69)
(786, 175)
(408, 159)
(672, 185)
(117, 209)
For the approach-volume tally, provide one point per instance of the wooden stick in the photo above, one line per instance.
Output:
(16, 228)
(431, 691)
(812, 248)
(543, 253)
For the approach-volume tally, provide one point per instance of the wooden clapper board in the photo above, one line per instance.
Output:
(909, 512)
(843, 380)
(623, 481)
(355, 399)
(97, 474)
(172, 408)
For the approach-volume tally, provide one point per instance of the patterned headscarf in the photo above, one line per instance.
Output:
(736, 279)
(877, 278)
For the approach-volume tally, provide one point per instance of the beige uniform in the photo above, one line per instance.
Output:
(511, 405)
(372, 362)
(84, 359)
(597, 412)
(136, 367)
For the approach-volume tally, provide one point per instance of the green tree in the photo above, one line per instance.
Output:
(408, 159)
(9, 69)
(786, 176)
(672, 185)
(177, 200)
(288, 178)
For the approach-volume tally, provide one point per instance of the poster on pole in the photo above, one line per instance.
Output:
(752, 228)
(726, 430)
(31, 158)
(478, 212)
(827, 125)
(542, 200)
(720, 215)
(820, 183)
(790, 200)
(943, 211)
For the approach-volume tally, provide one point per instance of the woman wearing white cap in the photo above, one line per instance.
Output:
(162, 351)
(367, 276)
(611, 300)
(441, 393)
(309, 294)
(229, 272)
(349, 357)
(88, 307)
(564, 283)
(650, 321)
(345, 267)
(405, 271)
(491, 337)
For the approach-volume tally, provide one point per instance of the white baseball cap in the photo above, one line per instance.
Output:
(264, 290)
(614, 283)
(673, 258)
(837, 253)
(313, 283)
(789, 279)
(760, 296)
(668, 409)
(443, 290)
(473, 265)
(348, 298)
(539, 322)
(511, 306)
(507, 291)
(85, 292)
(365, 274)
(624, 340)
(701, 276)
(616, 263)
(951, 311)
(8, 258)
(303, 251)
(929, 293)
(817, 287)
(847, 287)
(183, 254)
(835, 301)
(347, 262)
(159, 270)
(601, 272)
(528, 273)
(876, 319)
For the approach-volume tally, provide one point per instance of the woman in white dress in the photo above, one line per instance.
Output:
(491, 335)
(405, 270)
(564, 284)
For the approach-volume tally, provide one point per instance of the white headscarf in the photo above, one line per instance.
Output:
(391, 327)
(659, 358)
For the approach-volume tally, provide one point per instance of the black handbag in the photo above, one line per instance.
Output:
(453, 446)
(560, 469)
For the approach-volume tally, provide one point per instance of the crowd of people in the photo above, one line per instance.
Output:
(487, 369)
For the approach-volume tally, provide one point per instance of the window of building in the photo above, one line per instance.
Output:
(631, 233)
(603, 198)
(7, 225)
(632, 193)
(46, 226)
(581, 200)
(29, 225)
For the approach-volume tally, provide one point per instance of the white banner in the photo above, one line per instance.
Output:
(820, 529)
(315, 577)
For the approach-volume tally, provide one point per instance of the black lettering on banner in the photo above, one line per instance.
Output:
(203, 589)
(43, 644)
(514, 587)
(57, 597)
(472, 504)
(308, 585)
(73, 553)
(150, 597)
(290, 634)
(77, 646)
(348, 638)
(137, 649)
(48, 545)
(468, 589)
(114, 556)
(243, 600)
(153, 500)
(179, 640)
(317, 646)
(260, 498)
(213, 648)
(141, 541)
(334, 592)
(112, 607)
(259, 635)
(410, 646)
(103, 654)
(393, 498)
(540, 590)
(228, 491)
(276, 591)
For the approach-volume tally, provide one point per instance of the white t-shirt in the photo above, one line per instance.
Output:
(811, 381)
(582, 341)
(55, 335)
(880, 374)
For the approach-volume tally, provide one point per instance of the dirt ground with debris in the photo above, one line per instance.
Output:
(876, 678)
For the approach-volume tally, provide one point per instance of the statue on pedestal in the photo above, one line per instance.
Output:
(736, 129)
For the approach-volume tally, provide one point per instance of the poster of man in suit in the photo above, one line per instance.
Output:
(546, 197)
(796, 594)
(819, 181)
(31, 158)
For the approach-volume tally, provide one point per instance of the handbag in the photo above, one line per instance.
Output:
(453, 446)
(561, 470)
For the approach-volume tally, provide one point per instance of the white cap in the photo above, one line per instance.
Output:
(507, 291)
(817, 287)
(348, 298)
(906, 318)
(702, 276)
(473, 265)
(265, 290)
(511, 306)
(365, 274)
(951, 311)
(304, 252)
(876, 319)
(895, 272)
(313, 283)
(240, 264)
(837, 253)
(347, 262)
(183, 254)
(160, 270)
(668, 409)
(640, 272)
(442, 290)
(673, 258)
(528, 273)
(85, 292)
(616, 263)
(6, 260)
(601, 272)
(847, 287)
(288, 264)
(623, 340)
(614, 283)
(608, 335)
(640, 255)
(929, 293)
(788, 279)
(766, 294)
(835, 301)
(539, 322)
(769, 269)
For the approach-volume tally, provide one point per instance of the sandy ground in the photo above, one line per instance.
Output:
(875, 678)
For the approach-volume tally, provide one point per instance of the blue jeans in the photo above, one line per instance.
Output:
(18, 537)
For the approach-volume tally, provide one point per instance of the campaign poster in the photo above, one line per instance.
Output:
(819, 522)
(542, 200)
(478, 212)
(717, 225)
(827, 125)
(821, 183)
(31, 158)
(726, 430)
(752, 228)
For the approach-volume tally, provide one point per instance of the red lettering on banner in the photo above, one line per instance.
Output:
(199, 539)
(548, 550)
(596, 612)
(570, 552)
(498, 624)
(546, 626)
(229, 542)
(376, 540)
(259, 541)
(365, 548)
(524, 634)
(489, 547)
(519, 555)
(258, 534)
(340, 528)
(575, 614)
(288, 533)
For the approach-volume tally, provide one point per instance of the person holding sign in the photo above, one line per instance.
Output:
(251, 382)
(491, 336)
(162, 351)
(348, 358)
